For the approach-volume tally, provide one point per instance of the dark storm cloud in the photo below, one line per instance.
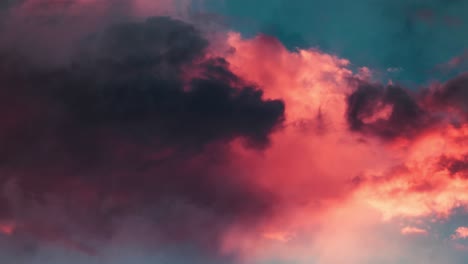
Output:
(123, 128)
(452, 94)
(391, 112)
(137, 80)
(405, 118)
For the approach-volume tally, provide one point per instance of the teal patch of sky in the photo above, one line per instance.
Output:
(409, 37)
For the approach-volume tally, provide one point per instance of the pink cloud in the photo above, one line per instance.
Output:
(411, 230)
(460, 233)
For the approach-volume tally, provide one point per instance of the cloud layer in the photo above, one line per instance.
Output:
(132, 138)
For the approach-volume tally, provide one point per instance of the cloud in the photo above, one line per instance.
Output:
(149, 133)
(387, 112)
(460, 233)
(451, 95)
(352, 142)
(410, 230)
(136, 121)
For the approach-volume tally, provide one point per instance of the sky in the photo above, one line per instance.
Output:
(412, 36)
(233, 132)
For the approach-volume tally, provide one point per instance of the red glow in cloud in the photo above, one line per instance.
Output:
(7, 228)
